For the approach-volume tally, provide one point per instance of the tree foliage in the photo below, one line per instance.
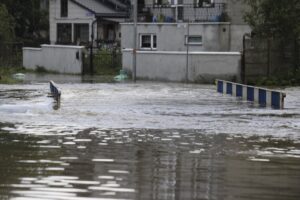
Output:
(274, 18)
(29, 19)
(6, 25)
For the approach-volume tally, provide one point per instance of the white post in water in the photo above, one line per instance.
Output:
(187, 53)
(134, 40)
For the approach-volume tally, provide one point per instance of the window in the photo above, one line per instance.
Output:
(193, 39)
(180, 14)
(203, 3)
(168, 2)
(64, 8)
(64, 33)
(148, 41)
(81, 33)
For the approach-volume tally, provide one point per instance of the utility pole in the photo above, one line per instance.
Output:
(134, 40)
(91, 49)
(187, 53)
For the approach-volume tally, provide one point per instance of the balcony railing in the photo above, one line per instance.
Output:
(214, 12)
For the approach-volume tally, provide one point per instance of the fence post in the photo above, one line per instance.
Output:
(243, 67)
(268, 56)
(91, 49)
(297, 64)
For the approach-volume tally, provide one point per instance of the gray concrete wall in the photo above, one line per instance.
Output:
(236, 36)
(57, 58)
(235, 10)
(203, 67)
(171, 36)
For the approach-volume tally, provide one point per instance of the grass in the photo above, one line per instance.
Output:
(6, 74)
(292, 78)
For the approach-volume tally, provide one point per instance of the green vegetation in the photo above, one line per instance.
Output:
(30, 23)
(278, 20)
(6, 74)
(107, 62)
(6, 25)
(42, 70)
(291, 79)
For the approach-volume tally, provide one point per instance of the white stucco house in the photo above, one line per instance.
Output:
(186, 40)
(72, 21)
(214, 25)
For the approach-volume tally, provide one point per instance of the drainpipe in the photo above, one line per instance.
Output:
(91, 49)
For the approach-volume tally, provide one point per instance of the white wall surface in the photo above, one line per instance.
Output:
(203, 67)
(76, 14)
(59, 58)
(32, 57)
(171, 36)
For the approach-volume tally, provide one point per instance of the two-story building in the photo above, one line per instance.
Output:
(175, 36)
(213, 25)
(72, 21)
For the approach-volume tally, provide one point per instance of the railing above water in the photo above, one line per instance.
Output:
(214, 12)
(55, 92)
(261, 96)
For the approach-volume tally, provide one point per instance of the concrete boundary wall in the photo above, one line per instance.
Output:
(263, 97)
(203, 67)
(59, 58)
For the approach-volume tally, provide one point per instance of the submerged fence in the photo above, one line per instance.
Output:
(261, 96)
(55, 92)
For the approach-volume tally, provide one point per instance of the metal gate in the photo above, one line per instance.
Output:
(102, 61)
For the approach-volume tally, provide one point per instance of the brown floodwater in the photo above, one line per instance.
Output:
(145, 141)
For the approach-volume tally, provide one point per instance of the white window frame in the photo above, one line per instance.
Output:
(151, 41)
(193, 43)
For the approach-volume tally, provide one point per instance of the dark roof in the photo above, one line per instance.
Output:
(116, 4)
(115, 8)
(98, 6)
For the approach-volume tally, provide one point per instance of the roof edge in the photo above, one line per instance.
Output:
(83, 6)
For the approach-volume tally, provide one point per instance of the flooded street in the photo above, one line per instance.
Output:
(145, 141)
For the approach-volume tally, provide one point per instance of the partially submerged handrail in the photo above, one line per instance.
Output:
(55, 91)
(264, 97)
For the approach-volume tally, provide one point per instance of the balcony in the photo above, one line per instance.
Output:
(171, 13)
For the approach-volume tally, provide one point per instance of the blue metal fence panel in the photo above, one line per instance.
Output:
(239, 91)
(250, 93)
(229, 88)
(275, 100)
(220, 86)
(262, 97)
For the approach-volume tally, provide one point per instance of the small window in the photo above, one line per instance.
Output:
(64, 8)
(193, 40)
(148, 41)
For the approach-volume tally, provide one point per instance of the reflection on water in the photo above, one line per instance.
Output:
(146, 141)
(149, 164)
